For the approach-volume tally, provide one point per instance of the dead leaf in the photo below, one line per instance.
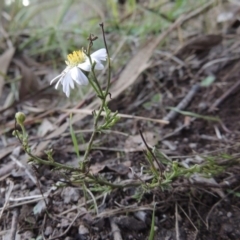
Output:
(40, 207)
(29, 83)
(199, 178)
(8, 235)
(70, 194)
(203, 43)
(5, 60)
(129, 222)
(45, 127)
(135, 143)
(108, 166)
(5, 151)
(96, 168)
(224, 17)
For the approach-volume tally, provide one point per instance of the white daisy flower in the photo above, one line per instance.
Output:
(76, 62)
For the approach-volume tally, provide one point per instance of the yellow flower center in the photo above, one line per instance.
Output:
(73, 59)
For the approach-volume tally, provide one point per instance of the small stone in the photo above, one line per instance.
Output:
(130, 223)
(169, 144)
(48, 230)
(70, 194)
(227, 228)
(193, 145)
(64, 222)
(199, 159)
(229, 214)
(82, 230)
(202, 105)
(23, 187)
(39, 238)
(141, 215)
(28, 235)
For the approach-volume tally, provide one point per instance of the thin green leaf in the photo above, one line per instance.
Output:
(25, 15)
(191, 114)
(64, 9)
(74, 139)
(152, 231)
(206, 82)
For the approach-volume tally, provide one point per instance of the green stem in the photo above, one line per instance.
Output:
(53, 164)
(108, 60)
(106, 183)
(94, 87)
(95, 78)
(95, 127)
(103, 98)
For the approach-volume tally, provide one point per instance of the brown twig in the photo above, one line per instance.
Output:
(7, 196)
(183, 104)
(176, 222)
(215, 61)
(14, 224)
(189, 219)
(216, 204)
(230, 91)
(160, 165)
(70, 225)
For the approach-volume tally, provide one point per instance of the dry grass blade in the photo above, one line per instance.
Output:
(70, 225)
(20, 165)
(29, 82)
(14, 224)
(90, 111)
(5, 151)
(115, 230)
(5, 60)
(7, 196)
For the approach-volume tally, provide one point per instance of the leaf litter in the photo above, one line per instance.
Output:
(199, 207)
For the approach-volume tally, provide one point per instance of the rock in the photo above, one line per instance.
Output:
(82, 230)
(70, 194)
(48, 230)
(130, 223)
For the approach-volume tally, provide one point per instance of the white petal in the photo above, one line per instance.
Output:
(99, 66)
(99, 55)
(60, 75)
(75, 73)
(71, 83)
(83, 78)
(78, 76)
(67, 69)
(67, 90)
(86, 66)
(60, 80)
(66, 84)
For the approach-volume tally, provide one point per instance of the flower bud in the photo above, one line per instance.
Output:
(20, 117)
(14, 133)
